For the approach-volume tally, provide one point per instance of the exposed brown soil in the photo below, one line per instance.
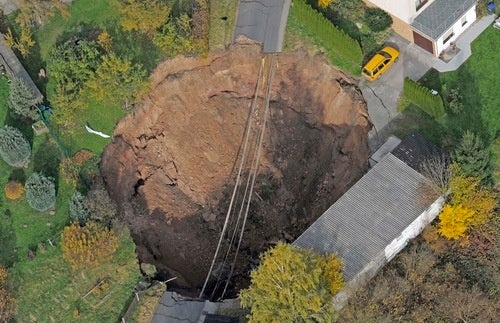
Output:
(171, 164)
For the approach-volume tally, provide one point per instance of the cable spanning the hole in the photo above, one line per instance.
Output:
(238, 177)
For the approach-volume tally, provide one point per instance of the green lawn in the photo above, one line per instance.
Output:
(50, 291)
(221, 30)
(478, 83)
(46, 288)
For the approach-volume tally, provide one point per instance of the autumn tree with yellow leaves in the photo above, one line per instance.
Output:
(117, 81)
(324, 3)
(87, 246)
(293, 285)
(470, 204)
(144, 16)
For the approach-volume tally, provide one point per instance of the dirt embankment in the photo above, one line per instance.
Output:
(171, 164)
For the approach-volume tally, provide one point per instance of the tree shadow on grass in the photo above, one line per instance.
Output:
(47, 159)
(450, 128)
(18, 175)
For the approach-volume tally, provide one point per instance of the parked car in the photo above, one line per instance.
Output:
(380, 62)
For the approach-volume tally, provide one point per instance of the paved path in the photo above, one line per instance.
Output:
(463, 43)
(264, 21)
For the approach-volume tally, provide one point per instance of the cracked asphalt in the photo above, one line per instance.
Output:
(382, 95)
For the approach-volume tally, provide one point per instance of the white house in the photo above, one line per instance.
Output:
(431, 24)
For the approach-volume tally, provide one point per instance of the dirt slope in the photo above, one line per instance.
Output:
(170, 165)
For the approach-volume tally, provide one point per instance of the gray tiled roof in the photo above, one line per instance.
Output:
(440, 15)
(369, 216)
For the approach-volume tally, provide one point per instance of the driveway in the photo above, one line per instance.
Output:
(382, 95)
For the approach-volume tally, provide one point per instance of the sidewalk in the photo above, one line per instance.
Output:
(463, 43)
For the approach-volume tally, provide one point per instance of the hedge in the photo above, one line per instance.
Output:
(342, 50)
(423, 98)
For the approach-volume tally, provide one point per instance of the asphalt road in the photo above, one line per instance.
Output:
(263, 21)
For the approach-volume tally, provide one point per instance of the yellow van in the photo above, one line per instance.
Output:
(380, 62)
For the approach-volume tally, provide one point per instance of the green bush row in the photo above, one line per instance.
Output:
(342, 50)
(423, 98)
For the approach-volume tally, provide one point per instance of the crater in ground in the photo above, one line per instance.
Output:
(171, 163)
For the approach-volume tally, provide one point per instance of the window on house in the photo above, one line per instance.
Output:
(448, 36)
(420, 3)
(464, 20)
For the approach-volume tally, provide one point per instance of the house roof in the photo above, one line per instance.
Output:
(415, 149)
(440, 15)
(369, 216)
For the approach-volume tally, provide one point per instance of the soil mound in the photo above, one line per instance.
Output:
(171, 164)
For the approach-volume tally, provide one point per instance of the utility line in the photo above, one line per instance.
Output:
(243, 160)
(255, 163)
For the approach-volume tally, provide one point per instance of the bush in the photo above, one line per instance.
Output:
(454, 100)
(78, 211)
(40, 192)
(87, 246)
(423, 98)
(82, 156)
(14, 190)
(8, 304)
(100, 205)
(21, 100)
(473, 158)
(14, 148)
(377, 19)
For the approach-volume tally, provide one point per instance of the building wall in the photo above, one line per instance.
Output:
(414, 229)
(402, 28)
(457, 28)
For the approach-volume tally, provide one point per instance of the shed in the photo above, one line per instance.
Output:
(372, 221)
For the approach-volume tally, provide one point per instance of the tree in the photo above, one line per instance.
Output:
(105, 41)
(324, 3)
(116, 80)
(101, 207)
(377, 19)
(78, 211)
(14, 148)
(21, 100)
(40, 192)
(70, 65)
(470, 205)
(293, 285)
(454, 221)
(8, 304)
(473, 158)
(144, 16)
(14, 190)
(87, 246)
(36, 12)
(176, 37)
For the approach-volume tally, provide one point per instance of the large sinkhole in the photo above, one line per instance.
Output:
(171, 163)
